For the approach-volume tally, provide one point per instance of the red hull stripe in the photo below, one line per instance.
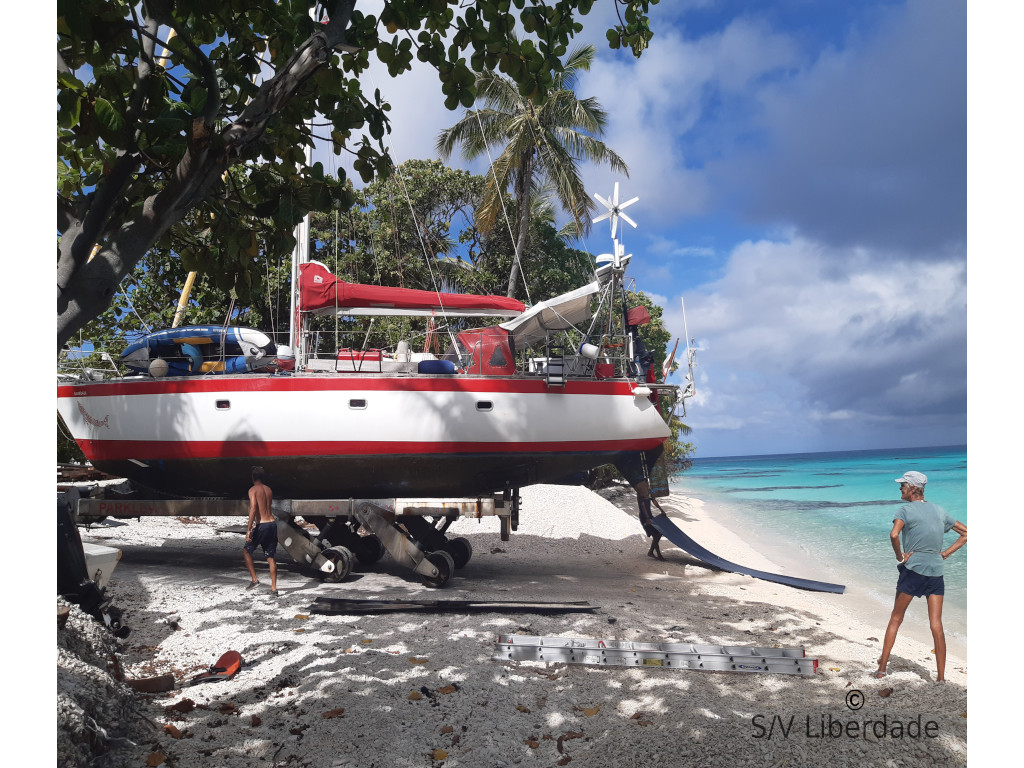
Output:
(112, 450)
(341, 383)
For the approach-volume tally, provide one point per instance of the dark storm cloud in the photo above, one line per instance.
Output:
(867, 145)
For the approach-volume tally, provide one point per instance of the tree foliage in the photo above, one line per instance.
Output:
(542, 141)
(149, 122)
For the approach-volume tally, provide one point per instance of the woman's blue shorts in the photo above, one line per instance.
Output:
(914, 584)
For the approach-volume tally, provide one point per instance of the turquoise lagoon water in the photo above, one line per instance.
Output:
(832, 513)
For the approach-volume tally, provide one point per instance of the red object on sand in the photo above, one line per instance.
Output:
(225, 668)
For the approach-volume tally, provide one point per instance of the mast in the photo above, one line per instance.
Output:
(300, 256)
(296, 325)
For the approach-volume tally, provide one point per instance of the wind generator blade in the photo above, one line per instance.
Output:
(615, 223)
(602, 217)
(604, 202)
(628, 202)
(615, 195)
(626, 218)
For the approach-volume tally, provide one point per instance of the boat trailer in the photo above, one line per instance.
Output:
(398, 526)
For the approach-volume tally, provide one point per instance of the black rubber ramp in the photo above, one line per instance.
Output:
(669, 530)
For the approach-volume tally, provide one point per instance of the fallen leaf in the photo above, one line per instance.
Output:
(439, 754)
(227, 708)
(174, 732)
(565, 760)
(155, 759)
(366, 642)
(447, 689)
(532, 744)
(591, 711)
(932, 651)
(447, 729)
(256, 721)
(833, 669)
(303, 629)
(885, 693)
(334, 713)
(567, 737)
(963, 714)
(296, 730)
(645, 722)
(183, 706)
(415, 696)
(301, 616)
(417, 660)
(521, 708)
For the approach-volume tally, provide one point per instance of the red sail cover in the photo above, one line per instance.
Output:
(322, 292)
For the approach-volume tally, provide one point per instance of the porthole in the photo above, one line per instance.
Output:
(484, 405)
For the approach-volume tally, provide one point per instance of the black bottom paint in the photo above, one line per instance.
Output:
(388, 476)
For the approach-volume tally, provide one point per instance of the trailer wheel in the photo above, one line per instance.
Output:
(461, 550)
(342, 559)
(445, 567)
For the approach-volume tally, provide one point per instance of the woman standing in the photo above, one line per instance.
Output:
(917, 529)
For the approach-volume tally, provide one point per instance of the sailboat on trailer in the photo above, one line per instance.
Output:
(393, 423)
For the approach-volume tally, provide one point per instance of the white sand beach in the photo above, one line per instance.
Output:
(422, 689)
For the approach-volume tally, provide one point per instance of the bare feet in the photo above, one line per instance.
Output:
(879, 674)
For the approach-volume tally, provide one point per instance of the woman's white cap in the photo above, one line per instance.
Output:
(913, 478)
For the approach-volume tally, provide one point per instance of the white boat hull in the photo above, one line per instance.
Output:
(330, 436)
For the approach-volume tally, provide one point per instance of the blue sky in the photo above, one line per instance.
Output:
(802, 169)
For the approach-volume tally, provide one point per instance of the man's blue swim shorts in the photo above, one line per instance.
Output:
(263, 535)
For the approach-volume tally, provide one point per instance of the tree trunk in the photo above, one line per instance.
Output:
(523, 212)
(86, 286)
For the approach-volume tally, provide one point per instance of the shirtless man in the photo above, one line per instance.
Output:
(262, 533)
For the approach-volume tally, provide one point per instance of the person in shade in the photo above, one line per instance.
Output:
(916, 537)
(261, 530)
(644, 499)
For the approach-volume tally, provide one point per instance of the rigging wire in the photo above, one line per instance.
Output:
(501, 199)
(131, 306)
(419, 235)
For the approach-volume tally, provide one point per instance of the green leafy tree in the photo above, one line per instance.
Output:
(407, 228)
(542, 140)
(148, 122)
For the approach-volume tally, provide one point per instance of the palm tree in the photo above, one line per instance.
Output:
(543, 143)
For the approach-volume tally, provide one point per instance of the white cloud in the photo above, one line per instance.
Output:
(798, 335)
(655, 100)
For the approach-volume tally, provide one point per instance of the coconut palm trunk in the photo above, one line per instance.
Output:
(523, 205)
